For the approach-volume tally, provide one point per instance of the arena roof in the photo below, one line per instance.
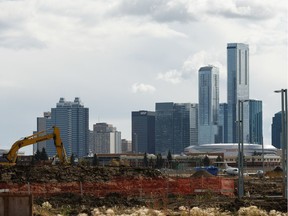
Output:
(230, 149)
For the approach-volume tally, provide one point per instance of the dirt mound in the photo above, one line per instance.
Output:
(201, 173)
(42, 174)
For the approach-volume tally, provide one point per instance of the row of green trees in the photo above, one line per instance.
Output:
(41, 156)
(159, 163)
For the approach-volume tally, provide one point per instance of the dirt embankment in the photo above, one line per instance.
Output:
(42, 174)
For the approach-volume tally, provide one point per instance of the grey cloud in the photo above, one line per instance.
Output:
(21, 42)
(185, 11)
(242, 9)
(158, 10)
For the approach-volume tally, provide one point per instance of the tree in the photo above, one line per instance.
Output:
(169, 159)
(37, 156)
(219, 159)
(95, 161)
(145, 160)
(206, 161)
(151, 162)
(72, 159)
(43, 154)
(159, 161)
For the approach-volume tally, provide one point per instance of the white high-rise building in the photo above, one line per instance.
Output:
(106, 139)
(237, 87)
(208, 104)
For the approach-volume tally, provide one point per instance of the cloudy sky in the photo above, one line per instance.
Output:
(120, 56)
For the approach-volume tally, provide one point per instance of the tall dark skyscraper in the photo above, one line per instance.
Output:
(172, 127)
(143, 132)
(277, 130)
(73, 120)
(237, 85)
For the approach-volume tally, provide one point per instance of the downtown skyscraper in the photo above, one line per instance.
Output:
(208, 83)
(173, 127)
(237, 86)
(143, 132)
(72, 118)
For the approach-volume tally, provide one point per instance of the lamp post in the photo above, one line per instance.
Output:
(240, 148)
(284, 141)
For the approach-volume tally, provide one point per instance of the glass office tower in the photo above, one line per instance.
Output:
(72, 118)
(172, 127)
(255, 122)
(164, 128)
(143, 132)
(237, 85)
(276, 130)
(208, 83)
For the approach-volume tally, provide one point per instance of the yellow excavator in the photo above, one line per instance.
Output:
(11, 156)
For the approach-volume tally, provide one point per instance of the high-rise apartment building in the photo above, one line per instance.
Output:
(208, 84)
(172, 127)
(277, 130)
(255, 122)
(143, 132)
(106, 139)
(237, 84)
(72, 118)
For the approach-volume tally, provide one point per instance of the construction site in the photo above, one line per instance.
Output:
(71, 190)
(64, 187)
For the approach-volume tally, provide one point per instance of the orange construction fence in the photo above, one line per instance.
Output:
(130, 187)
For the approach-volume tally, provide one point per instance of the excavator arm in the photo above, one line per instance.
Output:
(11, 156)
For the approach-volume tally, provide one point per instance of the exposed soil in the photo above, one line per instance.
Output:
(259, 190)
(46, 173)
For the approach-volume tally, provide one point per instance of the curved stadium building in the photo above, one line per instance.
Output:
(231, 149)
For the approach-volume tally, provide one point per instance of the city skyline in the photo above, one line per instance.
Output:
(119, 56)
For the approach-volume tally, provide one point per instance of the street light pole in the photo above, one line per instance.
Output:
(284, 141)
(240, 180)
(240, 148)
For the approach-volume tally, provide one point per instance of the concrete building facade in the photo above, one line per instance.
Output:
(106, 139)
